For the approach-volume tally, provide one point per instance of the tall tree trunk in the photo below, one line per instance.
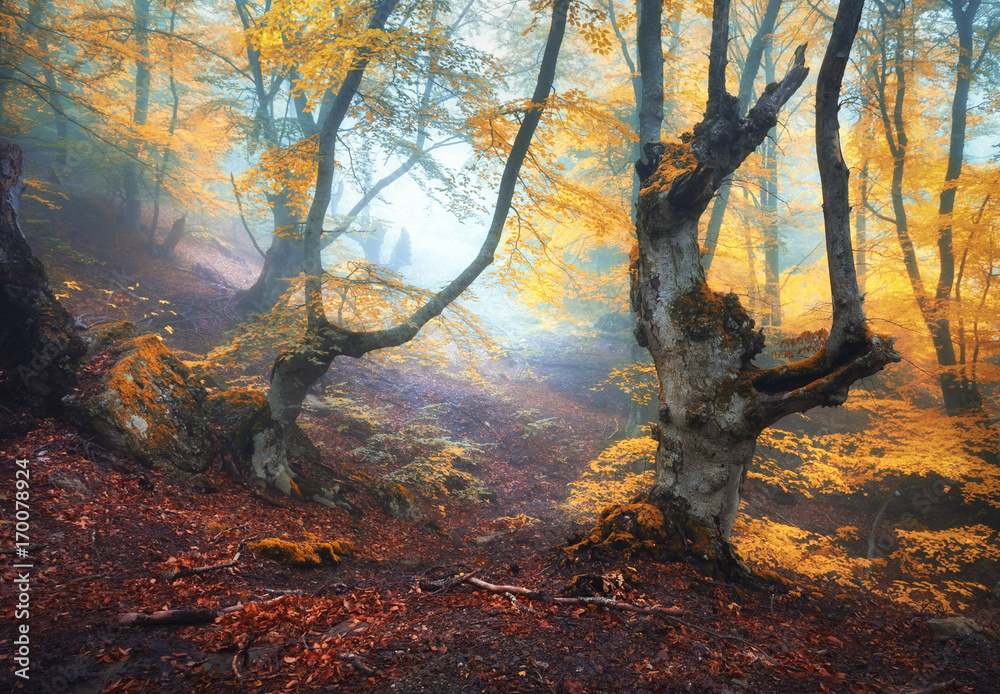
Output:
(960, 394)
(132, 173)
(647, 86)
(283, 259)
(769, 207)
(715, 402)
(751, 65)
(165, 163)
(861, 231)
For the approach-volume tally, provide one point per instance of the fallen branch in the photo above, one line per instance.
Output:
(203, 569)
(257, 495)
(89, 577)
(449, 584)
(183, 617)
(528, 594)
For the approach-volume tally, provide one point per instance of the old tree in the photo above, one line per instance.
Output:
(714, 402)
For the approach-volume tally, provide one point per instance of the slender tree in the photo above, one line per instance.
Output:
(297, 369)
(960, 392)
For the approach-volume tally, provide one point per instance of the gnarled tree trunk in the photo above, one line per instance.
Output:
(714, 402)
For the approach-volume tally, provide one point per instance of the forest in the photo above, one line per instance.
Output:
(565, 346)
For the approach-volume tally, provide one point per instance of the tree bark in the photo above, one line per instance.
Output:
(647, 87)
(38, 342)
(960, 394)
(769, 207)
(714, 401)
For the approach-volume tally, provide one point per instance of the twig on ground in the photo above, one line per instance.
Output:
(932, 689)
(203, 569)
(528, 594)
(257, 495)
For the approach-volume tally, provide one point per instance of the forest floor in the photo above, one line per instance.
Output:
(395, 616)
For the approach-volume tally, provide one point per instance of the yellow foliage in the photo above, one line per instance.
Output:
(621, 471)
(930, 553)
(770, 543)
(304, 554)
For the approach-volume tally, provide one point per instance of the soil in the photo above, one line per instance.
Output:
(396, 616)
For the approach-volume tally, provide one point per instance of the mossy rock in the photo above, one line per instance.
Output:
(438, 478)
(150, 409)
(397, 502)
(306, 554)
(206, 373)
(634, 529)
(100, 337)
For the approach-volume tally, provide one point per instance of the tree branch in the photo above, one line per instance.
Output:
(852, 352)
(529, 594)
(849, 324)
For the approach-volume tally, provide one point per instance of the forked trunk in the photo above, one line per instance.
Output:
(284, 259)
(713, 401)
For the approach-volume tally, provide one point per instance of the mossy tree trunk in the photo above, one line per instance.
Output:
(714, 401)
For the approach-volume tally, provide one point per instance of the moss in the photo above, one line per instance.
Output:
(634, 529)
(150, 408)
(437, 477)
(102, 336)
(309, 553)
(702, 314)
(397, 501)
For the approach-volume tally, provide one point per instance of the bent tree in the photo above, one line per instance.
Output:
(296, 369)
(714, 401)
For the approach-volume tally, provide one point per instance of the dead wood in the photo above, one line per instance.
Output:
(933, 689)
(528, 594)
(184, 617)
(257, 495)
(202, 569)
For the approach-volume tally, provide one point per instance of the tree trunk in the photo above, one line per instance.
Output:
(177, 231)
(751, 65)
(283, 260)
(38, 342)
(648, 92)
(769, 207)
(714, 401)
(132, 174)
(960, 394)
